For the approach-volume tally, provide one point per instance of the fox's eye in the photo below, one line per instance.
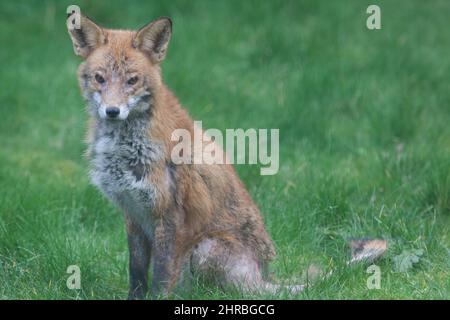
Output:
(132, 80)
(99, 78)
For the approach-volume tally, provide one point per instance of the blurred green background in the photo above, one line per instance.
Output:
(364, 138)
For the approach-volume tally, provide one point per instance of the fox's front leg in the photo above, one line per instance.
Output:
(166, 260)
(140, 252)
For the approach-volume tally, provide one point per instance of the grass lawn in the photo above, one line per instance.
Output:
(364, 119)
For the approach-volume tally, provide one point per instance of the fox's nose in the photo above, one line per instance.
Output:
(112, 112)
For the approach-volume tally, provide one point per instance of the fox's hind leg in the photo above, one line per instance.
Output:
(238, 268)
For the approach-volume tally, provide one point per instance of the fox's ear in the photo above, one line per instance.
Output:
(85, 34)
(153, 39)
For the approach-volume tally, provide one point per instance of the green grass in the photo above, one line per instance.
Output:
(364, 138)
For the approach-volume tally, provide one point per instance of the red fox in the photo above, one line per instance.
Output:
(194, 217)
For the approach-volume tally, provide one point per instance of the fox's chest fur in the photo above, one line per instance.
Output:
(122, 157)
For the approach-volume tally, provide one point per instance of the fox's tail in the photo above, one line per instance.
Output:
(362, 250)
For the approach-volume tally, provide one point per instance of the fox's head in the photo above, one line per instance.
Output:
(120, 74)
